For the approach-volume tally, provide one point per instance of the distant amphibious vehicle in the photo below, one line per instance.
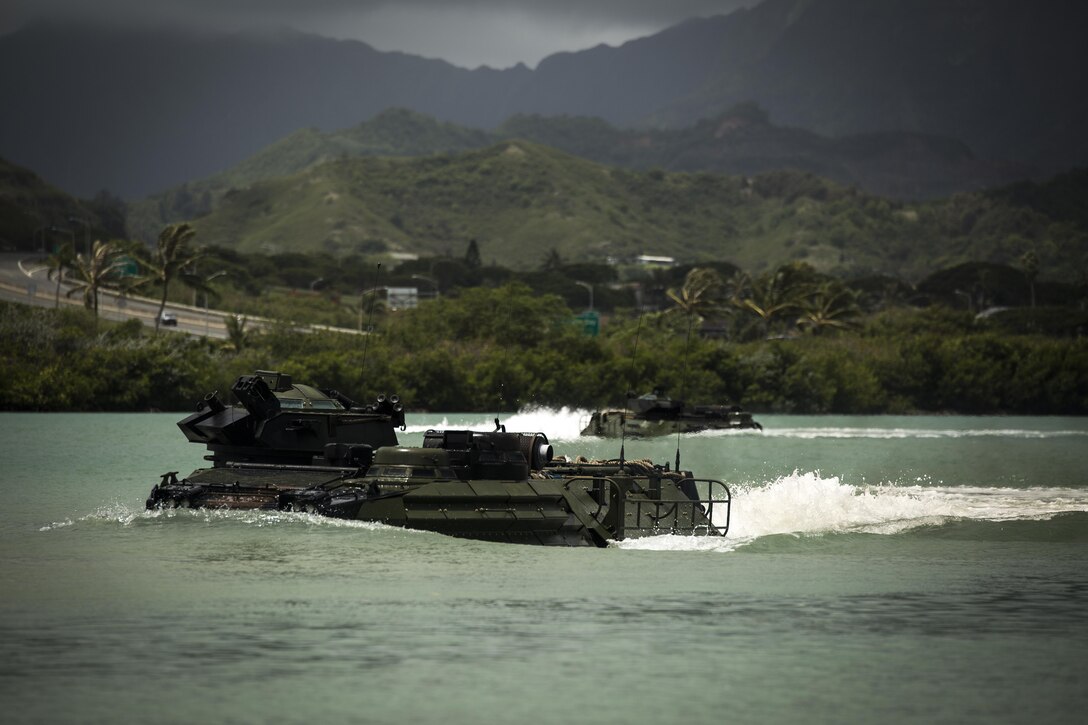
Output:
(656, 414)
(294, 447)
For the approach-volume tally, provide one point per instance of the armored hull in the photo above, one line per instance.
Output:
(656, 414)
(447, 488)
(495, 486)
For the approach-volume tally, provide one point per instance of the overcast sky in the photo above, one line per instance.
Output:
(499, 33)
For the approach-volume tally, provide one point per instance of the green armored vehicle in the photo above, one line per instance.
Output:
(280, 437)
(507, 487)
(483, 485)
(656, 414)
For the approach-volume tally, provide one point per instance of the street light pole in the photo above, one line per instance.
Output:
(34, 241)
(86, 233)
(589, 287)
(69, 232)
(207, 280)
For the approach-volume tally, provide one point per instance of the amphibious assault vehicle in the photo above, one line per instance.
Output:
(294, 447)
(656, 414)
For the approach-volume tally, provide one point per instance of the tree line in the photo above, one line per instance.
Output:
(788, 339)
(506, 348)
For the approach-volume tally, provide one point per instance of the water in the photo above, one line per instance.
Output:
(893, 570)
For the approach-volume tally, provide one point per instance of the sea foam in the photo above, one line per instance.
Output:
(561, 424)
(807, 504)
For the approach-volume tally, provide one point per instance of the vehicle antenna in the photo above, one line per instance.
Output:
(684, 383)
(501, 398)
(623, 412)
(370, 318)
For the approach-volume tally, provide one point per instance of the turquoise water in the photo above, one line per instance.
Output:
(883, 569)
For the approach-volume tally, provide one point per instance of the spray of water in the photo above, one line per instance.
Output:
(898, 433)
(567, 424)
(125, 515)
(807, 504)
(562, 424)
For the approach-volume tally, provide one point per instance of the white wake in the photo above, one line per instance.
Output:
(806, 504)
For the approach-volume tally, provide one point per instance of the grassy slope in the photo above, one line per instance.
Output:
(519, 200)
(743, 141)
(395, 132)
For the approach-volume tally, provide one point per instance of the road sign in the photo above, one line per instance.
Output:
(127, 266)
(590, 322)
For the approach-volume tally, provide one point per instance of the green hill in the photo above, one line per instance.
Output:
(740, 141)
(396, 132)
(34, 214)
(520, 200)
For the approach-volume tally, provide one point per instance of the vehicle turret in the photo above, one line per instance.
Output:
(280, 422)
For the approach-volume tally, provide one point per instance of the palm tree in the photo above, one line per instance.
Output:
(1030, 262)
(236, 331)
(770, 296)
(832, 305)
(94, 271)
(173, 259)
(700, 295)
(58, 263)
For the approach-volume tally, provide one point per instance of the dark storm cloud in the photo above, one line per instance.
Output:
(466, 32)
(213, 11)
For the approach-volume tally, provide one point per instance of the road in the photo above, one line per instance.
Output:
(23, 279)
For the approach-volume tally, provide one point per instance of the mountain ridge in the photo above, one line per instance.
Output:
(139, 113)
(522, 202)
(742, 141)
(518, 198)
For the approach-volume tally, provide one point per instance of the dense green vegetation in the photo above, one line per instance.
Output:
(976, 337)
(740, 141)
(36, 215)
(850, 303)
(500, 349)
(518, 196)
(316, 288)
